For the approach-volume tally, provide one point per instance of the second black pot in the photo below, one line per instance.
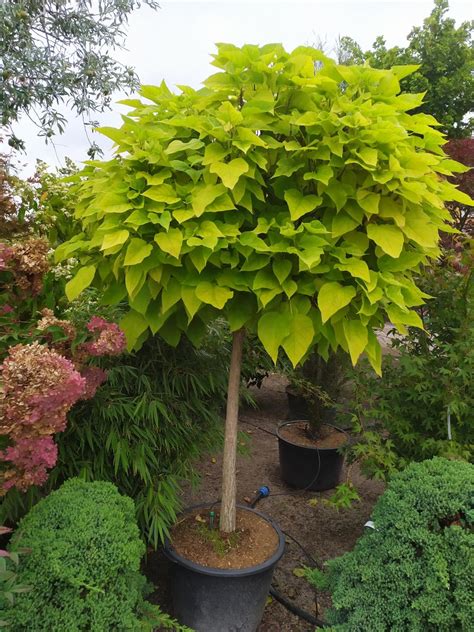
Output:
(219, 600)
(306, 467)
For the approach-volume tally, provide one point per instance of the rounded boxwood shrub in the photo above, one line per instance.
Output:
(415, 571)
(84, 564)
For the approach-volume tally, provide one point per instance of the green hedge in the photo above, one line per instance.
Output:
(83, 565)
(415, 571)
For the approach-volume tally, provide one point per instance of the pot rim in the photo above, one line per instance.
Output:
(309, 447)
(175, 557)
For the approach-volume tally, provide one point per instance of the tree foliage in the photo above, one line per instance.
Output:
(60, 52)
(415, 570)
(292, 196)
(445, 55)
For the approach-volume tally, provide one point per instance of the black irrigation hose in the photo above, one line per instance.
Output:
(318, 565)
(270, 432)
(299, 612)
(302, 614)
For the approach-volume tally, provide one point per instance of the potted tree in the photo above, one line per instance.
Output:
(309, 444)
(289, 196)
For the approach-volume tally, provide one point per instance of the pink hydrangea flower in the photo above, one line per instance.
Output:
(39, 388)
(31, 459)
(93, 377)
(110, 341)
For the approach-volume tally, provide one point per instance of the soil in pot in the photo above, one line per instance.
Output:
(297, 433)
(253, 541)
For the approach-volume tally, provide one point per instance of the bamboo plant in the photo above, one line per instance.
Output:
(294, 197)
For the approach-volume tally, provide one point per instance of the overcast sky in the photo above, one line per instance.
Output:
(175, 44)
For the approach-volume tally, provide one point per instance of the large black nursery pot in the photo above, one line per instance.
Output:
(307, 467)
(221, 600)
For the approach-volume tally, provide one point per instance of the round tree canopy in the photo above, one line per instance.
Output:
(292, 196)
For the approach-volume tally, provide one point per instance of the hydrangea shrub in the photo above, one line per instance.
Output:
(42, 378)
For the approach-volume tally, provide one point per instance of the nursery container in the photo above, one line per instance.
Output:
(221, 600)
(307, 467)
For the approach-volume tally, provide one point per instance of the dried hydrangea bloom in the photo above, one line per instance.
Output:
(28, 262)
(110, 341)
(31, 458)
(39, 387)
(49, 320)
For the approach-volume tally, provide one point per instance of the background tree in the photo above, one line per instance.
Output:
(10, 222)
(348, 51)
(445, 55)
(294, 198)
(462, 150)
(54, 53)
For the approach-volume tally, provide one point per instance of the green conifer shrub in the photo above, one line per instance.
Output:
(415, 570)
(83, 566)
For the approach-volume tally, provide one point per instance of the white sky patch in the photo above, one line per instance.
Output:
(175, 44)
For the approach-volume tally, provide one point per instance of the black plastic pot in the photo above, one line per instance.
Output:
(221, 600)
(305, 467)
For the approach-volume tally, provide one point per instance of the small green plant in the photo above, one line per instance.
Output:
(423, 405)
(222, 543)
(319, 382)
(9, 586)
(343, 497)
(84, 564)
(415, 570)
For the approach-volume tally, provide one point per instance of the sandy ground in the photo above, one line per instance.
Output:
(324, 532)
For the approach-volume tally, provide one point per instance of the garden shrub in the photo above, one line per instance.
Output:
(403, 415)
(415, 570)
(84, 564)
(45, 365)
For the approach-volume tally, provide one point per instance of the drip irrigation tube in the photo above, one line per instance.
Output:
(302, 614)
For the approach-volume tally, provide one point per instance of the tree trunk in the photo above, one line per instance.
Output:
(229, 484)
